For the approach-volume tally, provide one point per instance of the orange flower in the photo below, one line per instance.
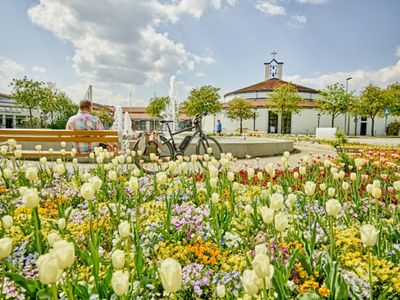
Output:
(323, 291)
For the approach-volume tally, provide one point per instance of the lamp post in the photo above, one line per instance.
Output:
(254, 118)
(319, 118)
(348, 117)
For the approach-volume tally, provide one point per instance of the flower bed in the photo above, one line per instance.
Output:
(323, 229)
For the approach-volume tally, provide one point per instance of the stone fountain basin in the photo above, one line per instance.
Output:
(254, 146)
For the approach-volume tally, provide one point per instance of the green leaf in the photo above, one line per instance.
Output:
(31, 286)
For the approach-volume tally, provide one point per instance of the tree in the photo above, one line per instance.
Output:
(105, 117)
(157, 106)
(393, 92)
(49, 104)
(66, 109)
(372, 103)
(286, 100)
(202, 100)
(239, 109)
(28, 94)
(335, 101)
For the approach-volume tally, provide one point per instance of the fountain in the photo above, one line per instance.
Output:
(118, 120)
(127, 124)
(170, 112)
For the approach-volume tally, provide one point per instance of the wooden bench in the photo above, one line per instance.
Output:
(39, 136)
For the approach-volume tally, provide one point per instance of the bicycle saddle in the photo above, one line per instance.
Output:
(166, 121)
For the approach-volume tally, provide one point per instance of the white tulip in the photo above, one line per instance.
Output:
(65, 253)
(231, 176)
(61, 223)
(396, 185)
(31, 174)
(267, 214)
(376, 192)
(276, 201)
(124, 229)
(251, 282)
(295, 175)
(248, 209)
(309, 188)
(353, 176)
(63, 144)
(52, 237)
(161, 178)
(43, 160)
(322, 187)
(291, 201)
(31, 198)
(7, 173)
(5, 247)
(112, 175)
(3, 150)
(7, 221)
(215, 198)
(60, 169)
(120, 282)
(133, 184)
(96, 182)
(18, 153)
(333, 207)
(262, 266)
(49, 269)
(38, 147)
(369, 235)
(281, 222)
(331, 192)
(261, 249)
(214, 182)
(87, 191)
(118, 259)
(221, 291)
(171, 275)
(345, 186)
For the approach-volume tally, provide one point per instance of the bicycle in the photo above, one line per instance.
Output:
(167, 148)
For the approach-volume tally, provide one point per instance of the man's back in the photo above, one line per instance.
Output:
(83, 120)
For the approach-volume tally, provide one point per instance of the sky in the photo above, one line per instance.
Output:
(129, 49)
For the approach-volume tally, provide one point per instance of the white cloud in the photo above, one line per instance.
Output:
(270, 7)
(398, 51)
(9, 70)
(38, 69)
(360, 78)
(297, 21)
(313, 1)
(120, 41)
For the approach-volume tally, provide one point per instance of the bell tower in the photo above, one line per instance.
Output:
(273, 69)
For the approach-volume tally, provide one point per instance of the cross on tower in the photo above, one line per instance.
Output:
(273, 53)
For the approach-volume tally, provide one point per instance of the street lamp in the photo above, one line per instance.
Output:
(319, 118)
(348, 117)
(254, 118)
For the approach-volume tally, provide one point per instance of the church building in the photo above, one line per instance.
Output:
(304, 122)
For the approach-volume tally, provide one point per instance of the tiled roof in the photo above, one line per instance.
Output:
(263, 103)
(268, 85)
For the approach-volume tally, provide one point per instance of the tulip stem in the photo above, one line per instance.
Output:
(37, 230)
(332, 237)
(54, 291)
(370, 273)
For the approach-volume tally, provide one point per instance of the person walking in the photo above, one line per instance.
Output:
(219, 127)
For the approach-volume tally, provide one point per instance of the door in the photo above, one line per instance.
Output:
(272, 122)
(9, 123)
(363, 126)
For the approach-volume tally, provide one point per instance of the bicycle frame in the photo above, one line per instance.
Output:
(171, 139)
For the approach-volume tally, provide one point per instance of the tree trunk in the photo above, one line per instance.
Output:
(30, 118)
(241, 126)
(333, 121)
(373, 126)
(282, 123)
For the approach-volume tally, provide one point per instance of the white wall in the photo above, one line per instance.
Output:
(303, 123)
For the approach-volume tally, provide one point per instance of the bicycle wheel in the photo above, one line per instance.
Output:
(164, 153)
(207, 144)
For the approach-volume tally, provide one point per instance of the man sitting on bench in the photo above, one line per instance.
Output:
(84, 120)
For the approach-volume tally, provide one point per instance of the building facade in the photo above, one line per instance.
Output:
(305, 122)
(12, 116)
